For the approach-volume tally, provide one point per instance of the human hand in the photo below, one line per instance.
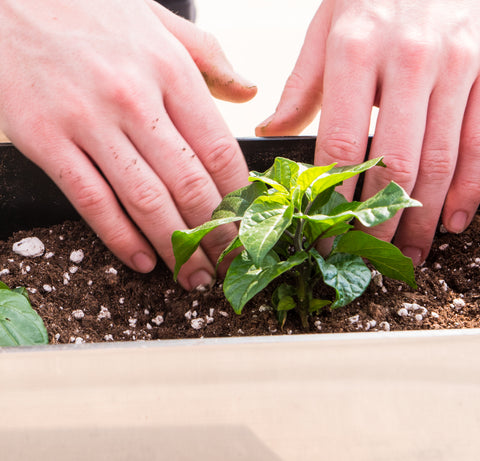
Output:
(419, 63)
(108, 99)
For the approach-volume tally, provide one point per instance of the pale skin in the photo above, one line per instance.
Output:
(419, 62)
(112, 104)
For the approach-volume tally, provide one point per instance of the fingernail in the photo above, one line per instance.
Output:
(266, 122)
(143, 262)
(200, 278)
(458, 222)
(414, 253)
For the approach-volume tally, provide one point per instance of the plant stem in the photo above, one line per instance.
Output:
(302, 293)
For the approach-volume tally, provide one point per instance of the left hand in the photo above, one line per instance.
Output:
(419, 62)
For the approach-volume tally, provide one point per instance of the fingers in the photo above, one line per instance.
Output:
(95, 201)
(401, 125)
(464, 195)
(223, 82)
(438, 157)
(183, 171)
(197, 119)
(350, 87)
(302, 96)
(148, 197)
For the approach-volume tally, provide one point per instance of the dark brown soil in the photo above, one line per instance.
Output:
(99, 299)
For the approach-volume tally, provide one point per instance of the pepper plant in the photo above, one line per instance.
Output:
(282, 216)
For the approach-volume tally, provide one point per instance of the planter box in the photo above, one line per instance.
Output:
(363, 396)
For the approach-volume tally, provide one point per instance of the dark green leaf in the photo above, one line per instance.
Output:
(20, 325)
(263, 224)
(185, 242)
(283, 297)
(384, 256)
(347, 274)
(244, 279)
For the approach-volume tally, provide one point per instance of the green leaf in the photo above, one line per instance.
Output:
(236, 203)
(281, 175)
(384, 256)
(20, 325)
(244, 279)
(318, 304)
(235, 243)
(346, 273)
(335, 176)
(379, 208)
(185, 242)
(311, 176)
(263, 224)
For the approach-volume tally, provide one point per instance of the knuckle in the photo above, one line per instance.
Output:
(437, 165)
(416, 51)
(343, 148)
(89, 200)
(221, 156)
(144, 199)
(469, 187)
(354, 39)
(295, 81)
(356, 48)
(400, 169)
(461, 54)
(117, 237)
(126, 92)
(189, 191)
(470, 142)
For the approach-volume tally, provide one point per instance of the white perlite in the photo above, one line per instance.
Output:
(4, 272)
(354, 319)
(384, 326)
(76, 256)
(104, 313)
(158, 320)
(78, 314)
(132, 322)
(458, 304)
(29, 247)
(197, 324)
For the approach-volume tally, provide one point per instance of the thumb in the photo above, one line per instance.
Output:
(302, 96)
(223, 82)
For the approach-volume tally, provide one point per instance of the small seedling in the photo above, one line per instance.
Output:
(20, 325)
(283, 214)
